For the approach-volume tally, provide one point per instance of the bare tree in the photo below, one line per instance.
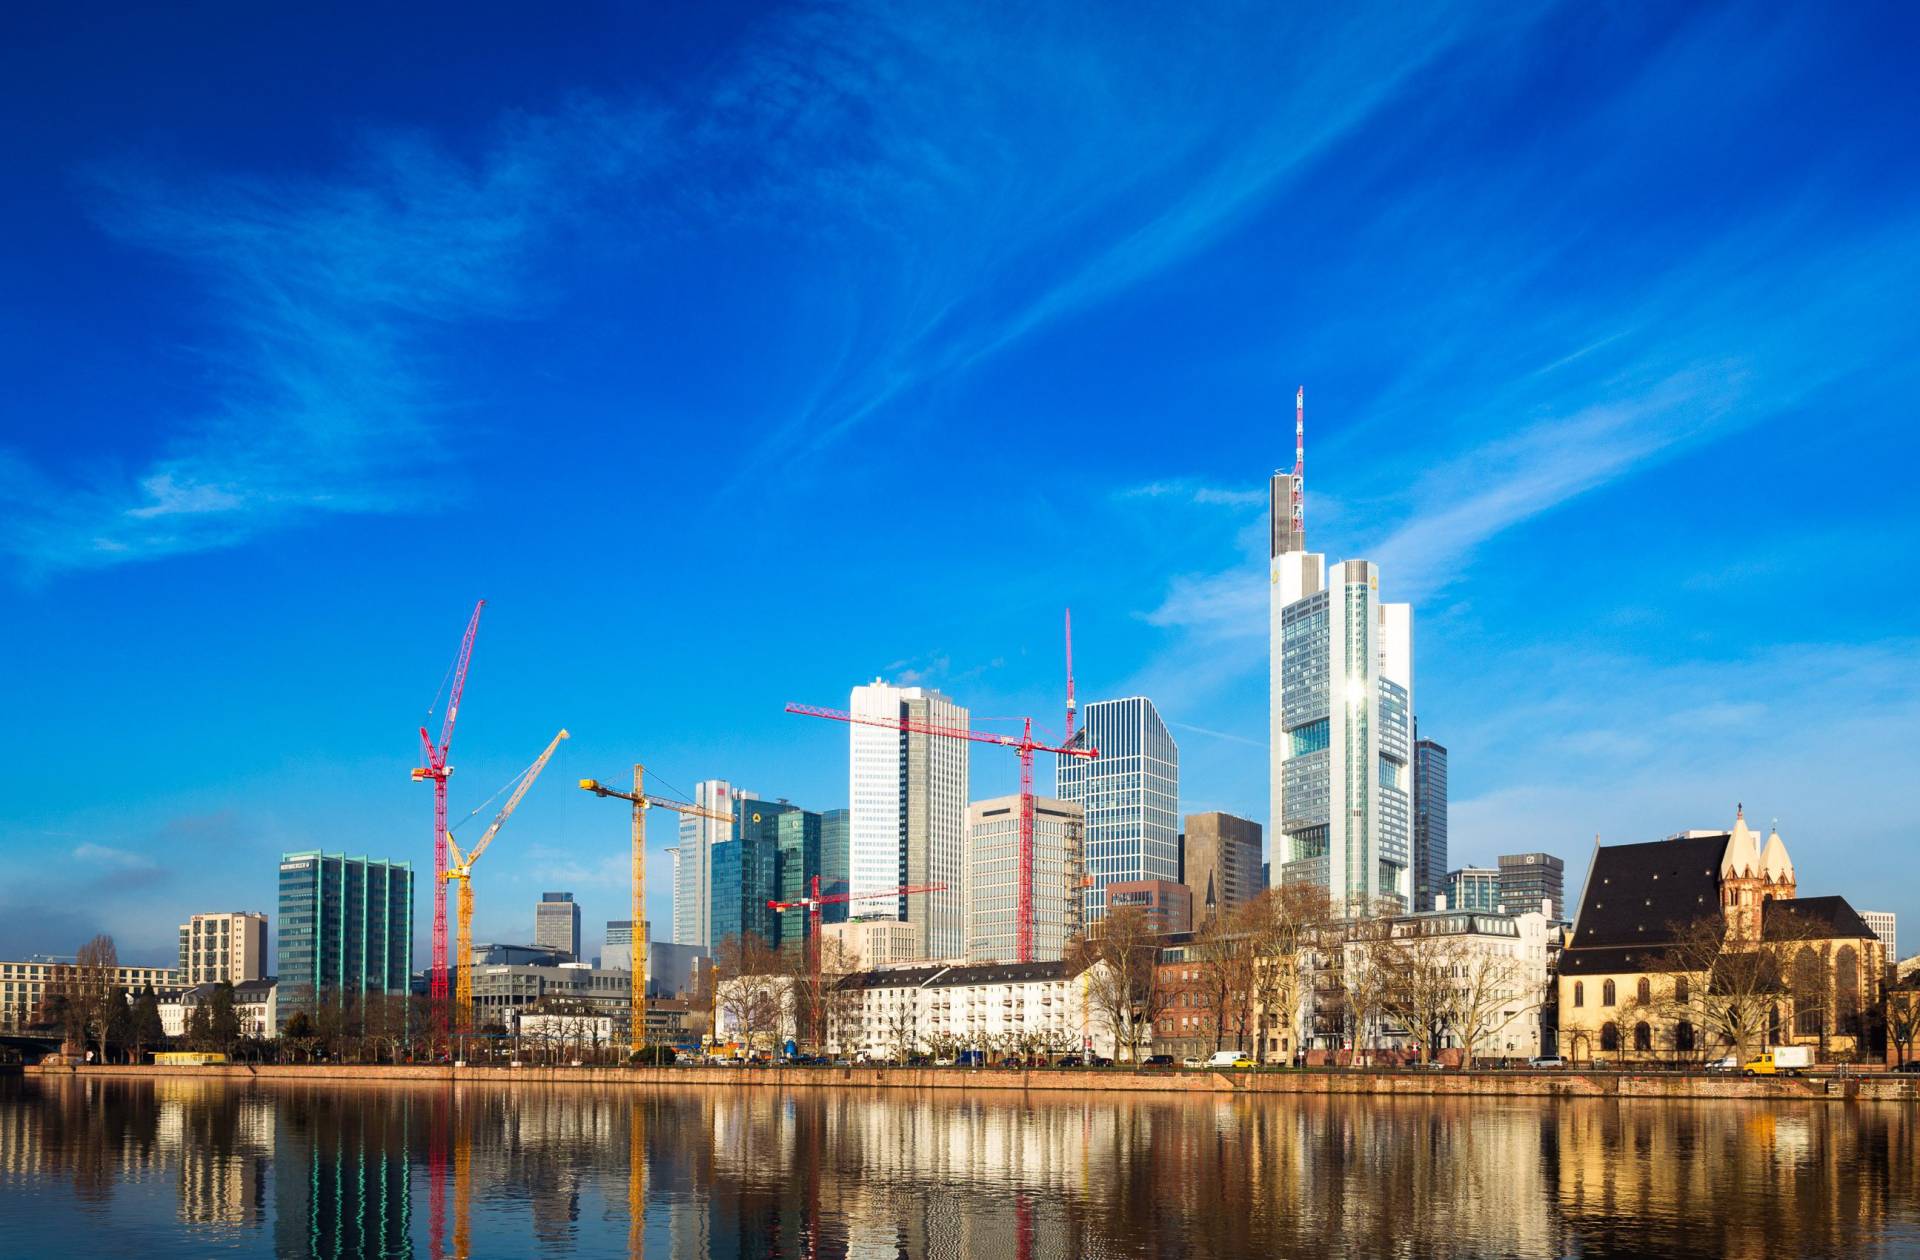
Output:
(1735, 987)
(94, 993)
(1127, 994)
(753, 985)
(1903, 1021)
(1490, 988)
(1421, 990)
(1279, 926)
(1372, 970)
(822, 997)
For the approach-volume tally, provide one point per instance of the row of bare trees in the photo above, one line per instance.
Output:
(761, 991)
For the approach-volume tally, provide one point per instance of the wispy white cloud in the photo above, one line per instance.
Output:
(1188, 491)
(105, 856)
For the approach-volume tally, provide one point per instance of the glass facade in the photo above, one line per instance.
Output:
(1129, 796)
(833, 863)
(1527, 878)
(1473, 888)
(1429, 823)
(993, 879)
(796, 866)
(346, 928)
(746, 872)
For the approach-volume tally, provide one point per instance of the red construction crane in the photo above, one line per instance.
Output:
(1025, 745)
(437, 770)
(814, 901)
(1072, 708)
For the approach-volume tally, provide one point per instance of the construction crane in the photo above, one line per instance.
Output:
(1024, 745)
(813, 902)
(642, 802)
(1072, 708)
(460, 871)
(436, 770)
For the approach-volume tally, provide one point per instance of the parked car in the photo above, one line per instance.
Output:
(1193, 1063)
(1157, 1061)
(1779, 1061)
(1725, 1063)
(1547, 1061)
(1911, 1065)
(1229, 1059)
(1431, 1065)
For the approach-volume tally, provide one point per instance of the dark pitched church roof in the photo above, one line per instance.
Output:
(1637, 896)
(1820, 918)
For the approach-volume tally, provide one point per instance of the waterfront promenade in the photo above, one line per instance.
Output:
(1492, 1084)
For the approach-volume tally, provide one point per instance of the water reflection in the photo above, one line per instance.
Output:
(430, 1171)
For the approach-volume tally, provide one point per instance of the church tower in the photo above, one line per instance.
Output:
(1751, 876)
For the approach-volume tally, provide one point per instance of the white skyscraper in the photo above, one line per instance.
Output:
(1341, 707)
(693, 863)
(908, 812)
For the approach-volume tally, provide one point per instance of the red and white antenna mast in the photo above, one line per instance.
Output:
(1300, 467)
(1072, 708)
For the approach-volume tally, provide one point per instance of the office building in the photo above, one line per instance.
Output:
(230, 947)
(1881, 922)
(1168, 904)
(25, 985)
(1220, 863)
(908, 819)
(744, 871)
(677, 971)
(833, 862)
(346, 929)
(1341, 709)
(556, 924)
(1474, 888)
(993, 878)
(797, 843)
(693, 863)
(876, 942)
(1525, 878)
(1430, 823)
(616, 953)
(501, 993)
(1129, 794)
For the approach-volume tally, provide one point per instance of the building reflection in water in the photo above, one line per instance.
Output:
(436, 1171)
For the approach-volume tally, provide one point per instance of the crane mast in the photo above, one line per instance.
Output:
(436, 770)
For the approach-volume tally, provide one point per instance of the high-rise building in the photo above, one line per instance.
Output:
(797, 842)
(1220, 863)
(746, 872)
(1526, 878)
(1881, 921)
(876, 942)
(556, 924)
(1475, 888)
(833, 863)
(993, 878)
(617, 953)
(693, 863)
(908, 819)
(1429, 822)
(346, 929)
(230, 947)
(1341, 708)
(1130, 795)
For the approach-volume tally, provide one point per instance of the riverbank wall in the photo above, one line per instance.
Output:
(1558, 1084)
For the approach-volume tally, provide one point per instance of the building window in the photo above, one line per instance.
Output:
(1683, 1036)
(1579, 993)
(1642, 1035)
(1609, 1035)
(1607, 994)
(1644, 992)
(1680, 990)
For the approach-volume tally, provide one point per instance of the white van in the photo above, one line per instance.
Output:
(1229, 1059)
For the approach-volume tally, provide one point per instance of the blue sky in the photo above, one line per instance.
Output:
(737, 356)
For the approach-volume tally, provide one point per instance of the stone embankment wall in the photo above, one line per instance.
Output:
(1562, 1084)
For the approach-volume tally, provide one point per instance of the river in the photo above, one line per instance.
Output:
(178, 1167)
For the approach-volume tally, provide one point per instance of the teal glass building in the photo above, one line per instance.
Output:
(346, 929)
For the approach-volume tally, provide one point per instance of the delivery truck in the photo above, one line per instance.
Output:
(1780, 1061)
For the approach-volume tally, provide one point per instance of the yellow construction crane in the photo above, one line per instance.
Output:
(460, 871)
(641, 804)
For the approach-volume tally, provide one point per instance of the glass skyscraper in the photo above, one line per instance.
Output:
(833, 863)
(1429, 822)
(346, 929)
(746, 872)
(1129, 795)
(796, 865)
(1341, 723)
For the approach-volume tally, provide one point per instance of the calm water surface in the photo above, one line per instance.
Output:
(188, 1168)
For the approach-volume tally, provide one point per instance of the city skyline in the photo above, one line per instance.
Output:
(1576, 298)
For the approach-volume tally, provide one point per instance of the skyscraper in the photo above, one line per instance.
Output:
(1475, 888)
(745, 871)
(693, 863)
(796, 866)
(1883, 923)
(230, 947)
(1130, 795)
(1430, 822)
(833, 863)
(908, 819)
(1341, 707)
(346, 928)
(1222, 863)
(993, 878)
(617, 953)
(556, 924)
(1525, 878)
